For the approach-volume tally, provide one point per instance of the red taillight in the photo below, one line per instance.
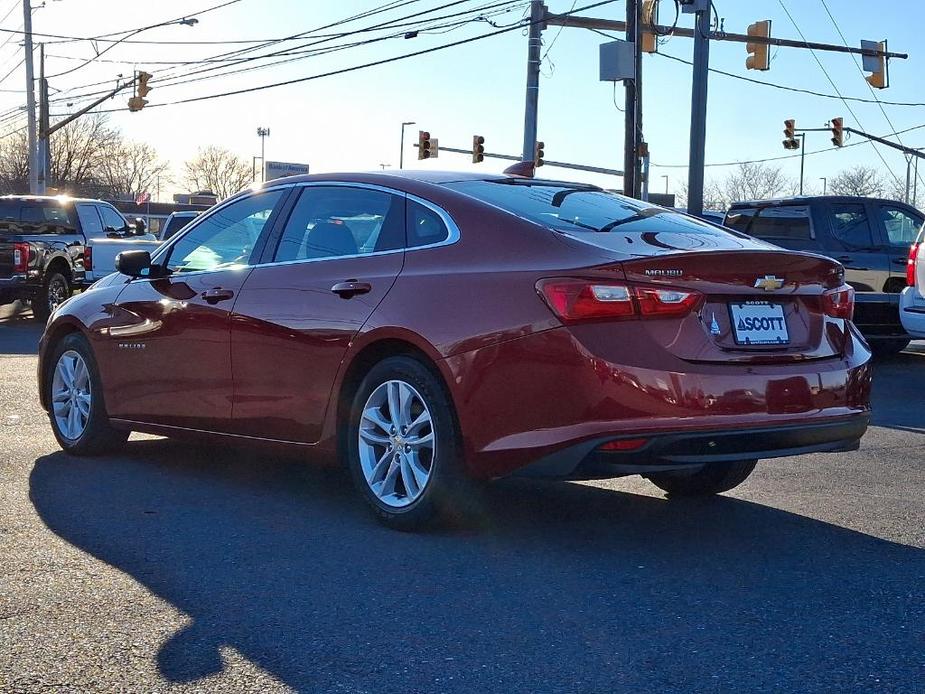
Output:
(88, 258)
(910, 264)
(20, 257)
(578, 300)
(839, 303)
(623, 445)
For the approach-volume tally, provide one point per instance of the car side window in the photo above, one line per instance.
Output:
(340, 221)
(902, 228)
(89, 220)
(425, 227)
(111, 218)
(851, 227)
(225, 238)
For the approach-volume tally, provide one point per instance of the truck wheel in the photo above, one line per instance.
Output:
(888, 348)
(53, 293)
(712, 478)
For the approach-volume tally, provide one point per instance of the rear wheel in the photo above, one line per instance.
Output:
(889, 348)
(75, 397)
(712, 478)
(54, 292)
(403, 446)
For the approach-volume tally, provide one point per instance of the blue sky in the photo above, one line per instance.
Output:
(352, 121)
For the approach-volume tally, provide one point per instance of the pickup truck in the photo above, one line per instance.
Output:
(50, 246)
(870, 237)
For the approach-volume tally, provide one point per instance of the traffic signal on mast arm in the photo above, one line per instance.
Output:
(758, 58)
(478, 149)
(790, 134)
(648, 40)
(838, 132)
(538, 154)
(423, 144)
(878, 66)
(137, 102)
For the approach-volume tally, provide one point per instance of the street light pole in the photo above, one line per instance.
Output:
(666, 183)
(401, 153)
(825, 183)
(30, 97)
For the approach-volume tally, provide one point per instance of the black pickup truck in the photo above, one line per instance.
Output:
(50, 246)
(869, 236)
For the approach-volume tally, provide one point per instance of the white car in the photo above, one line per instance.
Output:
(912, 300)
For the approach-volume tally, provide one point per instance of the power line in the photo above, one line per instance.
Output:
(354, 68)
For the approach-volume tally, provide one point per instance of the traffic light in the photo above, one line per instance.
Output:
(538, 154)
(790, 134)
(137, 102)
(478, 149)
(423, 144)
(758, 58)
(648, 40)
(877, 65)
(838, 133)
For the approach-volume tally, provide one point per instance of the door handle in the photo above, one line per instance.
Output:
(351, 288)
(213, 296)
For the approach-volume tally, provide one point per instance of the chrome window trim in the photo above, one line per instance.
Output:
(453, 234)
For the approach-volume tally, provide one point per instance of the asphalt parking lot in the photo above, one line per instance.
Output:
(182, 568)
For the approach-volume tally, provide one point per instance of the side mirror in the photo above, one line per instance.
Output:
(134, 263)
(140, 226)
(113, 233)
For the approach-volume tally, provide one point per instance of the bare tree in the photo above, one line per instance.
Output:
(862, 181)
(130, 168)
(77, 150)
(219, 170)
(14, 164)
(745, 182)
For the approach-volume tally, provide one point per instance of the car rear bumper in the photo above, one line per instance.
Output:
(527, 400)
(680, 450)
(912, 312)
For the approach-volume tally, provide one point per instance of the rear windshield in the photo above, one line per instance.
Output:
(175, 224)
(790, 222)
(21, 212)
(586, 212)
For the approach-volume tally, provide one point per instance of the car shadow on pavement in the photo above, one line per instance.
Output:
(897, 393)
(558, 587)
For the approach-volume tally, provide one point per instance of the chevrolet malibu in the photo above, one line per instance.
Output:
(430, 330)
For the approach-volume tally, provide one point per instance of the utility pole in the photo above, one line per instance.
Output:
(534, 45)
(825, 184)
(44, 149)
(630, 153)
(30, 97)
(263, 134)
(699, 110)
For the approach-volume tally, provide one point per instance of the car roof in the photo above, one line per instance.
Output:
(385, 177)
(806, 199)
(47, 198)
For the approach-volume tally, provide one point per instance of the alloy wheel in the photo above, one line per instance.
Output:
(57, 294)
(397, 444)
(71, 395)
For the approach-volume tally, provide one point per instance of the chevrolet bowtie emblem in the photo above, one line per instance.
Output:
(769, 283)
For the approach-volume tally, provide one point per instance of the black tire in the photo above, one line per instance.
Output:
(448, 492)
(98, 437)
(55, 290)
(712, 478)
(889, 348)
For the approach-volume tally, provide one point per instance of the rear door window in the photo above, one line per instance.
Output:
(89, 220)
(901, 226)
(851, 226)
(425, 227)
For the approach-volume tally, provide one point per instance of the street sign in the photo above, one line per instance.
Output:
(279, 169)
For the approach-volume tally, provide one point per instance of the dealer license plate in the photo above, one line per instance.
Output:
(759, 323)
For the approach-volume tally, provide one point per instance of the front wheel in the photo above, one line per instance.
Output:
(712, 478)
(403, 446)
(75, 397)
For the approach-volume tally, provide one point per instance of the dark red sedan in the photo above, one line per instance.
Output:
(428, 329)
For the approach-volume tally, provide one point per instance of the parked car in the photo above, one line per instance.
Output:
(912, 300)
(428, 329)
(50, 246)
(175, 222)
(870, 237)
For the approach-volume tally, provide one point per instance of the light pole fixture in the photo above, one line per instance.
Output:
(401, 155)
(263, 134)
